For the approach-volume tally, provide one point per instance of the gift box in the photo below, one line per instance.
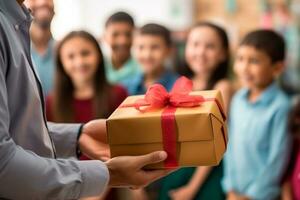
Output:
(189, 126)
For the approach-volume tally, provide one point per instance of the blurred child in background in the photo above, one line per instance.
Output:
(152, 47)
(118, 33)
(258, 145)
(81, 92)
(291, 186)
(207, 55)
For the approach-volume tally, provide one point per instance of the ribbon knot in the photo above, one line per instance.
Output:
(157, 96)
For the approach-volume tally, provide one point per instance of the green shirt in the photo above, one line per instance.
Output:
(129, 70)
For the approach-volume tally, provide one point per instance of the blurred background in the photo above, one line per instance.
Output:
(237, 16)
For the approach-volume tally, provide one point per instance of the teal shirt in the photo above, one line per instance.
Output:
(44, 65)
(129, 70)
(258, 146)
(135, 85)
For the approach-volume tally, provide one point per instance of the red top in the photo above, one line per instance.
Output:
(294, 170)
(83, 109)
(295, 178)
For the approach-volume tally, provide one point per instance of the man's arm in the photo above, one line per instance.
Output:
(65, 138)
(90, 139)
(25, 175)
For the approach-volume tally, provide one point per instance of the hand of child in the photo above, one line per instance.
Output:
(183, 193)
(241, 197)
(232, 195)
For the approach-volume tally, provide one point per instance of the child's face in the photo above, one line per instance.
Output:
(79, 59)
(204, 50)
(118, 35)
(254, 68)
(151, 51)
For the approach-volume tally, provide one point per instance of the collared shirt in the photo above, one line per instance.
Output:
(28, 169)
(45, 67)
(129, 70)
(258, 146)
(136, 86)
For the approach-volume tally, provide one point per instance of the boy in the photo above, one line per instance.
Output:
(119, 66)
(258, 148)
(42, 42)
(152, 48)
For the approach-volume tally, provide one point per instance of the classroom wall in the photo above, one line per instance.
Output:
(238, 20)
(92, 14)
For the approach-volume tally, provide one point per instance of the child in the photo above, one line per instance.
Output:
(81, 92)
(152, 48)
(207, 55)
(119, 64)
(291, 187)
(258, 141)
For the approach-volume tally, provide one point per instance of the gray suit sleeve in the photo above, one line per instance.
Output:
(25, 175)
(60, 133)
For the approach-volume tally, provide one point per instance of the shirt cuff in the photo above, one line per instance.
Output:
(64, 137)
(78, 151)
(226, 186)
(95, 176)
(261, 192)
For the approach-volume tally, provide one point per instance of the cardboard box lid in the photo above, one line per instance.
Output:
(146, 127)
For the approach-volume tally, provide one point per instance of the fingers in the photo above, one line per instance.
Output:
(151, 158)
(104, 158)
(151, 176)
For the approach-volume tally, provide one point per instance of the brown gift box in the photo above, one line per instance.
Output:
(201, 131)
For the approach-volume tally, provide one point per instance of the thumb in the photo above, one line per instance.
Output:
(151, 158)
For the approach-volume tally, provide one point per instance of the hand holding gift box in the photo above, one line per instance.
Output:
(189, 126)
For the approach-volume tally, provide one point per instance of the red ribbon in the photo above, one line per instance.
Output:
(157, 97)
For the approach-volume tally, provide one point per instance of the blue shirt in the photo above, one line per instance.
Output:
(129, 70)
(258, 146)
(135, 86)
(44, 65)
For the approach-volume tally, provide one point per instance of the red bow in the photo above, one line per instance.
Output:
(157, 96)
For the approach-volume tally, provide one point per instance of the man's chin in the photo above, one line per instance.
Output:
(43, 24)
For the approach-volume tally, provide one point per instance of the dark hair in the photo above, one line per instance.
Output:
(120, 17)
(157, 30)
(63, 87)
(221, 71)
(267, 41)
(294, 119)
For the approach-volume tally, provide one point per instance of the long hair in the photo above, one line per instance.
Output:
(221, 71)
(63, 94)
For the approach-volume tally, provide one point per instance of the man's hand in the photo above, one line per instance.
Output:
(127, 171)
(93, 140)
